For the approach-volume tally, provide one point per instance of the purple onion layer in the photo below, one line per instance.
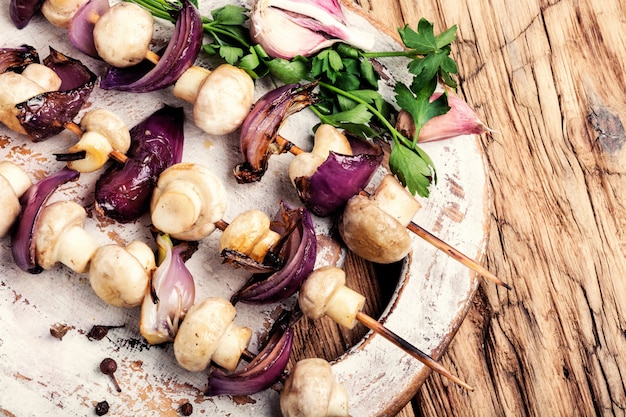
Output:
(339, 178)
(123, 191)
(22, 11)
(81, 26)
(181, 52)
(16, 59)
(46, 114)
(259, 130)
(33, 202)
(264, 370)
(297, 251)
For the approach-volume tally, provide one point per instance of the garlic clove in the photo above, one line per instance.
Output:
(97, 149)
(287, 28)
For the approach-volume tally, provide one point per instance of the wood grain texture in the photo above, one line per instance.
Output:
(549, 77)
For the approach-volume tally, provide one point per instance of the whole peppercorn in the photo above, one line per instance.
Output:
(102, 408)
(186, 409)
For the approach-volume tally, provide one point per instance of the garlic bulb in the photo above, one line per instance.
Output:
(288, 28)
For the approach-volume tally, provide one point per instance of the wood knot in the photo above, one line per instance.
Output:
(611, 134)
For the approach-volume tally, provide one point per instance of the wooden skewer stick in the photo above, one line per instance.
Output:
(421, 232)
(375, 326)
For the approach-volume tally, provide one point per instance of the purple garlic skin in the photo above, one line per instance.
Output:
(123, 191)
(339, 178)
(33, 203)
(180, 53)
(288, 28)
(46, 114)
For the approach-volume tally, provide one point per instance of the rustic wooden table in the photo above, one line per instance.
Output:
(550, 78)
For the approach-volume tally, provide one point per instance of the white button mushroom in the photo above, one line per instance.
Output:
(187, 201)
(222, 98)
(375, 227)
(13, 184)
(60, 237)
(249, 233)
(327, 138)
(120, 276)
(43, 75)
(123, 34)
(208, 333)
(311, 390)
(60, 12)
(324, 292)
(103, 132)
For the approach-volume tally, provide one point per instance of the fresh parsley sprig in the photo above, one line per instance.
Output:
(349, 96)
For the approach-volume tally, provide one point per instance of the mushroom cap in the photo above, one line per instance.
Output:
(54, 220)
(309, 390)
(15, 89)
(117, 276)
(16, 176)
(200, 332)
(371, 233)
(202, 183)
(109, 125)
(123, 34)
(245, 231)
(318, 289)
(224, 100)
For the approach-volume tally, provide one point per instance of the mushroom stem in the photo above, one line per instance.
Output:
(419, 231)
(454, 253)
(378, 328)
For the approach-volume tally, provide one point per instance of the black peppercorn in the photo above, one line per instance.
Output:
(186, 409)
(102, 408)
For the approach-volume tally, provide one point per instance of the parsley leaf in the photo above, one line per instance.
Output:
(412, 169)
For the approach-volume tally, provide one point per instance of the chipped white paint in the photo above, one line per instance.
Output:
(41, 375)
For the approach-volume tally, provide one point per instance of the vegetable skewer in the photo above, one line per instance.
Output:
(324, 293)
(289, 146)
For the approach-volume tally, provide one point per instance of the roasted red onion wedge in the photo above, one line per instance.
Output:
(82, 23)
(123, 192)
(297, 251)
(47, 114)
(33, 202)
(181, 52)
(265, 369)
(16, 59)
(22, 11)
(260, 128)
(339, 178)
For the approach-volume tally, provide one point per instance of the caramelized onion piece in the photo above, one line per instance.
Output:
(16, 59)
(260, 128)
(123, 192)
(46, 114)
(297, 252)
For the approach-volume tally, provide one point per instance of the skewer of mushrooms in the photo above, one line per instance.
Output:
(394, 207)
(324, 292)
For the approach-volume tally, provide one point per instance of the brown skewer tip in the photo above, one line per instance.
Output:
(378, 328)
(74, 128)
(454, 253)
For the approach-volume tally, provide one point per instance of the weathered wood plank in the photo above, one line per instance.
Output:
(550, 78)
